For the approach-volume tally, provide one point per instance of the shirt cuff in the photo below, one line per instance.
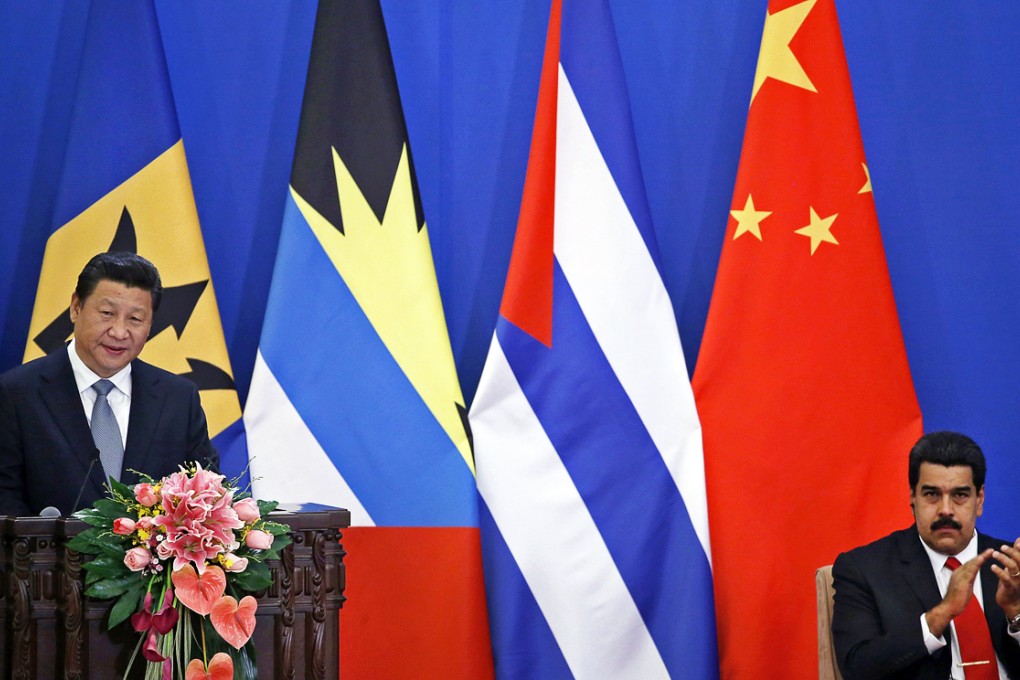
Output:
(933, 643)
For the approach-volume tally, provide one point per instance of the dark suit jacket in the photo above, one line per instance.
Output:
(46, 447)
(881, 591)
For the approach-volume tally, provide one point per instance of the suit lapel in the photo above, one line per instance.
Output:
(917, 571)
(59, 391)
(147, 397)
(920, 579)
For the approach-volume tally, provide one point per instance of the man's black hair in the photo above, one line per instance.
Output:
(948, 449)
(129, 269)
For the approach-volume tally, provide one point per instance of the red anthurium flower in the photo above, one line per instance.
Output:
(161, 622)
(235, 622)
(198, 592)
(142, 620)
(150, 650)
(221, 667)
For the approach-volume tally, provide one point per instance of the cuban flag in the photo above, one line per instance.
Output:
(587, 442)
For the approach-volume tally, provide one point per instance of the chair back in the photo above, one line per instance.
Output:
(827, 668)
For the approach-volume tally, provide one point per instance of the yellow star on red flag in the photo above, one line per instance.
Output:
(867, 183)
(749, 220)
(819, 230)
(776, 59)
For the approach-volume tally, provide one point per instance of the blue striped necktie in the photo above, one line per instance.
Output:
(106, 432)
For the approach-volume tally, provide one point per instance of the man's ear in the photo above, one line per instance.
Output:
(75, 307)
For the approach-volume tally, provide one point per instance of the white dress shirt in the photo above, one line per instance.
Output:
(119, 398)
(942, 575)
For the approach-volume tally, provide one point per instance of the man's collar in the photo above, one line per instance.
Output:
(938, 560)
(85, 377)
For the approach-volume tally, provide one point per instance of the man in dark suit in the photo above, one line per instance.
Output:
(901, 612)
(51, 428)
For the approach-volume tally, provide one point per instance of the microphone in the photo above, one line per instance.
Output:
(49, 511)
(92, 464)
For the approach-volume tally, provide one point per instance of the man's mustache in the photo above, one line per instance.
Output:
(945, 523)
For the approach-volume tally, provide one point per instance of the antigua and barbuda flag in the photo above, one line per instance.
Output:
(125, 186)
(802, 381)
(587, 442)
(355, 400)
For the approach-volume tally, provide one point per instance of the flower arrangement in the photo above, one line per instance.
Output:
(176, 554)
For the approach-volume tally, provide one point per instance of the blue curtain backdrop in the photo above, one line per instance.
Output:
(937, 88)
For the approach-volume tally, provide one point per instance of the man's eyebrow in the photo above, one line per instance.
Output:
(932, 487)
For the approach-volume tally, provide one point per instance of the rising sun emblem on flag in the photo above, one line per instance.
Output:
(414, 334)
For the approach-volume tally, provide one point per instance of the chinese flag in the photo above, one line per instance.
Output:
(802, 383)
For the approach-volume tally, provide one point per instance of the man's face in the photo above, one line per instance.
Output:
(111, 326)
(946, 506)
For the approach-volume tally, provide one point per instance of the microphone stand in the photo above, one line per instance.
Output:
(92, 464)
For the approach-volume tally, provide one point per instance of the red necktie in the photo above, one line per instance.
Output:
(974, 638)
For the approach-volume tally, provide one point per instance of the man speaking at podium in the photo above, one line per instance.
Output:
(936, 600)
(93, 410)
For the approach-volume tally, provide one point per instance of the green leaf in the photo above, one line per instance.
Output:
(114, 550)
(103, 571)
(100, 543)
(104, 561)
(266, 507)
(82, 545)
(106, 566)
(112, 509)
(86, 542)
(256, 577)
(275, 528)
(122, 489)
(126, 604)
(86, 512)
(112, 587)
(97, 521)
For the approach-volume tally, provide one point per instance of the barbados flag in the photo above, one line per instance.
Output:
(125, 186)
(587, 441)
(355, 400)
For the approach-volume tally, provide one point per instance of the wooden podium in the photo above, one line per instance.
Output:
(51, 630)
